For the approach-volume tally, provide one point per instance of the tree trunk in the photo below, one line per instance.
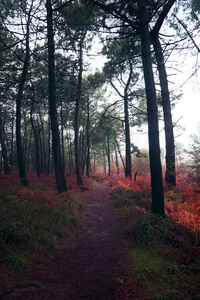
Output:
(49, 146)
(104, 159)
(77, 118)
(118, 148)
(88, 140)
(3, 149)
(12, 143)
(170, 175)
(116, 159)
(29, 150)
(56, 149)
(62, 137)
(43, 146)
(20, 153)
(36, 137)
(152, 112)
(128, 170)
(94, 169)
(108, 154)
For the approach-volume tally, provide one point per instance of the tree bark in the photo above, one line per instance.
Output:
(118, 148)
(170, 174)
(62, 137)
(152, 112)
(20, 153)
(36, 133)
(49, 146)
(108, 154)
(128, 170)
(104, 158)
(12, 143)
(3, 148)
(88, 139)
(116, 158)
(77, 118)
(56, 148)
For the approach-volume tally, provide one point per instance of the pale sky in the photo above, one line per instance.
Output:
(187, 108)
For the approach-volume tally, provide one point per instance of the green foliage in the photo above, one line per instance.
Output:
(194, 153)
(160, 277)
(163, 259)
(149, 228)
(15, 261)
(30, 226)
(130, 198)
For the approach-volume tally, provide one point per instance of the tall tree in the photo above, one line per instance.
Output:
(170, 175)
(56, 149)
(78, 20)
(20, 152)
(126, 84)
(152, 112)
(77, 113)
(3, 144)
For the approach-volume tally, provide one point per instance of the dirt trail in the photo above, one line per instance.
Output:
(87, 265)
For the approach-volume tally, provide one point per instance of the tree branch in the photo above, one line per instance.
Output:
(189, 34)
(162, 17)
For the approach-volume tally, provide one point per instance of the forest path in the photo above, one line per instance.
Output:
(88, 265)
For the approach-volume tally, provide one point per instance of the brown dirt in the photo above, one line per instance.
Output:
(87, 266)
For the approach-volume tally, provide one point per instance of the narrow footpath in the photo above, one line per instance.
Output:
(88, 265)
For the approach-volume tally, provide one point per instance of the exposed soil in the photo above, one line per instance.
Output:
(87, 266)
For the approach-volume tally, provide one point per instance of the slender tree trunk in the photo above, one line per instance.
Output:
(77, 118)
(88, 140)
(41, 161)
(49, 146)
(43, 146)
(29, 150)
(116, 158)
(3, 149)
(83, 153)
(152, 112)
(170, 175)
(62, 137)
(118, 148)
(25, 139)
(71, 162)
(37, 151)
(12, 143)
(108, 154)
(56, 149)
(128, 170)
(104, 159)
(36, 137)
(20, 153)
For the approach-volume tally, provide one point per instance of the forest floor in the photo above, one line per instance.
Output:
(89, 264)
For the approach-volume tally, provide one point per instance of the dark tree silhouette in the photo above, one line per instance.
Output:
(56, 148)
(152, 112)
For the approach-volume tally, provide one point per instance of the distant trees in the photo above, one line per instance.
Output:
(194, 154)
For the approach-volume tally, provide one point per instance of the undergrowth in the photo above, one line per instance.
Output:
(35, 220)
(164, 253)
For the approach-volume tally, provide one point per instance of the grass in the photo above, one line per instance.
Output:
(151, 271)
(33, 222)
(163, 261)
